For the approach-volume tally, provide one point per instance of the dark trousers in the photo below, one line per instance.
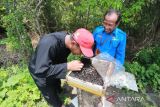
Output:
(50, 91)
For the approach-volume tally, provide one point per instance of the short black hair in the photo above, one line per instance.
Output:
(110, 11)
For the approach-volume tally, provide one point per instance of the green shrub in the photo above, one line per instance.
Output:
(17, 37)
(148, 79)
(156, 55)
(139, 71)
(148, 56)
(17, 88)
(144, 56)
(152, 76)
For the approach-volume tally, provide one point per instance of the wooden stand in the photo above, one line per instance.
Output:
(86, 99)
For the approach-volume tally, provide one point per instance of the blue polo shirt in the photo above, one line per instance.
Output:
(113, 43)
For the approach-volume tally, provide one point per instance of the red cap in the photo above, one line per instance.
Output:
(85, 40)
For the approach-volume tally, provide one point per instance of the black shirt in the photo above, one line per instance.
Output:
(49, 59)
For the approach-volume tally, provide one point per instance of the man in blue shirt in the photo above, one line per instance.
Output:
(108, 38)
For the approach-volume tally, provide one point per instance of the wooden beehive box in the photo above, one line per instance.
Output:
(86, 86)
(92, 86)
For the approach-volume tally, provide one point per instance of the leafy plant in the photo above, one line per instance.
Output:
(148, 56)
(148, 78)
(18, 89)
(17, 37)
(139, 71)
(144, 56)
(73, 57)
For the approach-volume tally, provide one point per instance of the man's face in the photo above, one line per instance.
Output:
(110, 22)
(75, 49)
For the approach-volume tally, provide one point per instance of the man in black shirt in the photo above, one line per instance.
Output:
(49, 62)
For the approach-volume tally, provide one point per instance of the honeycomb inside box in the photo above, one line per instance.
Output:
(87, 79)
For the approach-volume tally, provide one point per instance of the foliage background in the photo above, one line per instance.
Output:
(23, 22)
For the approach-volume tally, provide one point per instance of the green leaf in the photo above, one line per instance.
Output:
(13, 80)
(3, 93)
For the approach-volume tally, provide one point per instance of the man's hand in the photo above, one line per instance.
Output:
(74, 65)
